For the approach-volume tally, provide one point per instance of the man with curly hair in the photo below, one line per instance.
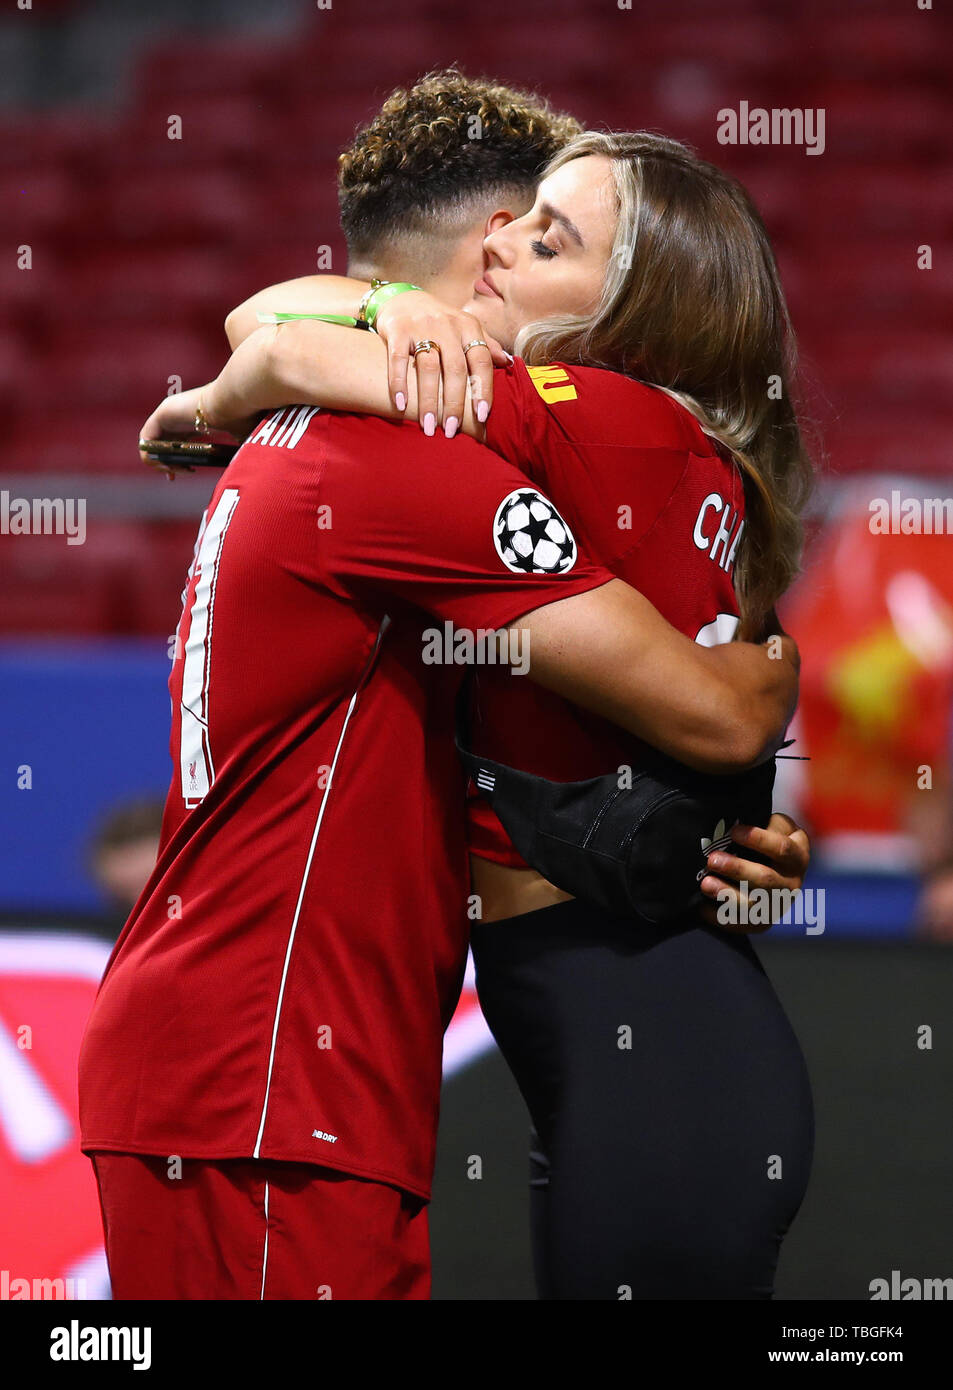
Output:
(415, 185)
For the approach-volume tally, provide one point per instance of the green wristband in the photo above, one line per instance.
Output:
(378, 298)
(345, 320)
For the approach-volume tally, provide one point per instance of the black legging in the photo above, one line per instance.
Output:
(669, 1160)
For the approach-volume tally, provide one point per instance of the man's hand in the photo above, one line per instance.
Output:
(414, 317)
(783, 842)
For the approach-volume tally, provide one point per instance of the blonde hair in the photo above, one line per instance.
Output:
(692, 303)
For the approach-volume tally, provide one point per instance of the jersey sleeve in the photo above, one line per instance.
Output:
(611, 449)
(534, 408)
(446, 525)
(518, 427)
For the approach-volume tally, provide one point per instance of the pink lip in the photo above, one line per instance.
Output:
(486, 286)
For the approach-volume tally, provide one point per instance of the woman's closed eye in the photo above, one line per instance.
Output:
(539, 248)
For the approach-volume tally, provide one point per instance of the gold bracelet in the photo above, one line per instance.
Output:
(362, 308)
(201, 424)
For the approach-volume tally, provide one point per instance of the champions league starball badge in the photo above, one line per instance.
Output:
(531, 537)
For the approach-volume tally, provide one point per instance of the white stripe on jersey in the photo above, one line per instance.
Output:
(385, 623)
(264, 1257)
(195, 753)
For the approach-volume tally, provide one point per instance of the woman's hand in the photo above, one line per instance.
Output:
(174, 418)
(788, 848)
(415, 316)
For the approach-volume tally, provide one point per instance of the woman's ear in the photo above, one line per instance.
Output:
(498, 219)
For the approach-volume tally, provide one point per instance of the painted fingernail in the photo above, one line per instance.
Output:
(401, 400)
(509, 356)
(430, 423)
(451, 426)
(482, 412)
(717, 861)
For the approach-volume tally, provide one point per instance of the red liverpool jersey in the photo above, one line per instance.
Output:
(282, 985)
(650, 497)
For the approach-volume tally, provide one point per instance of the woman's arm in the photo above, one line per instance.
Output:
(310, 294)
(304, 362)
(458, 367)
(314, 363)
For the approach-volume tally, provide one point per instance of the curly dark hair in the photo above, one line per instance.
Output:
(436, 146)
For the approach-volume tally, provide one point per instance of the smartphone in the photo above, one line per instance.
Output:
(183, 453)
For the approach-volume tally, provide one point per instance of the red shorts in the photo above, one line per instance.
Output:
(248, 1229)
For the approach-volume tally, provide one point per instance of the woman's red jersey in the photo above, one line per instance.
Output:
(648, 495)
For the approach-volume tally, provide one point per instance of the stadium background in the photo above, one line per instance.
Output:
(137, 247)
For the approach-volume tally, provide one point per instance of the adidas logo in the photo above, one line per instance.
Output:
(720, 839)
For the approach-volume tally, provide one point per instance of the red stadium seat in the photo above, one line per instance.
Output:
(164, 286)
(874, 197)
(54, 587)
(908, 368)
(177, 203)
(126, 577)
(78, 441)
(250, 64)
(64, 137)
(863, 45)
(166, 549)
(217, 129)
(890, 442)
(871, 281)
(11, 357)
(37, 201)
(869, 121)
(115, 370)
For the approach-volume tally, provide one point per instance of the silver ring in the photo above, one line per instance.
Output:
(477, 342)
(425, 345)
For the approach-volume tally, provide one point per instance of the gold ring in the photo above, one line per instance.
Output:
(425, 345)
(477, 342)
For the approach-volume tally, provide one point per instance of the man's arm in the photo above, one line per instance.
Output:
(718, 709)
